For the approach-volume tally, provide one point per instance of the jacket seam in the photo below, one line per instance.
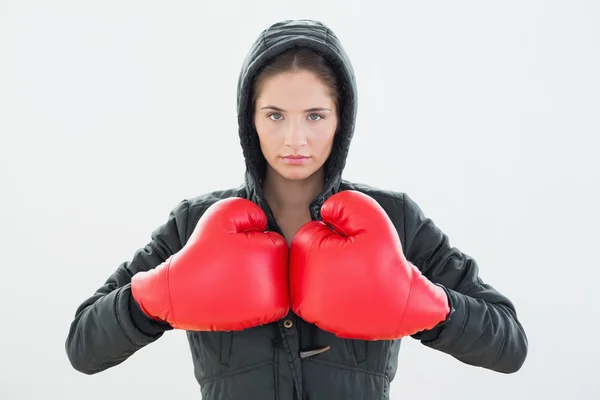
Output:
(276, 372)
(87, 356)
(391, 196)
(159, 251)
(187, 223)
(237, 371)
(127, 278)
(457, 336)
(464, 325)
(120, 322)
(118, 311)
(504, 338)
(469, 287)
(345, 367)
(394, 197)
(295, 374)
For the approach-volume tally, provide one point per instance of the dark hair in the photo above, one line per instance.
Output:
(300, 59)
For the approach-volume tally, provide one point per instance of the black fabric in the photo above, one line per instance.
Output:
(143, 323)
(264, 362)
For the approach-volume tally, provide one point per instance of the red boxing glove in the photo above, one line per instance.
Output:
(348, 275)
(230, 275)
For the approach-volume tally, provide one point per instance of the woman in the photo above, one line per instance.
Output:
(332, 328)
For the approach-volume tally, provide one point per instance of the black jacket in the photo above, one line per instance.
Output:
(274, 361)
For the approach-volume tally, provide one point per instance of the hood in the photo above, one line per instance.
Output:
(274, 40)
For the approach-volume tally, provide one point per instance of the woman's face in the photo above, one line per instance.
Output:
(296, 120)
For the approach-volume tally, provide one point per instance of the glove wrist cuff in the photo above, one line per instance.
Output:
(143, 322)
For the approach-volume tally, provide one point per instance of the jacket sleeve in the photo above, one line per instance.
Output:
(483, 329)
(109, 327)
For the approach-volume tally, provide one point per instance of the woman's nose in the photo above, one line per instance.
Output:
(295, 138)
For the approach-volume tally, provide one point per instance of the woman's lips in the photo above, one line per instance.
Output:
(295, 160)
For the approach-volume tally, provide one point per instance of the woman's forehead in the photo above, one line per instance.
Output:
(294, 91)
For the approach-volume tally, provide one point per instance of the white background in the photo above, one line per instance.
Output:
(486, 113)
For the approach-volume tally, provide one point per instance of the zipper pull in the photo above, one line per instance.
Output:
(310, 353)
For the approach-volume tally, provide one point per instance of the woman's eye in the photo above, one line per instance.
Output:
(275, 116)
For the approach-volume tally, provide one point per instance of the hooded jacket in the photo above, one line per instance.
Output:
(285, 360)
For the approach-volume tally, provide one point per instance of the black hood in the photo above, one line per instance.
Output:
(270, 43)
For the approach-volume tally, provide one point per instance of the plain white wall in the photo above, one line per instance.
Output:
(486, 113)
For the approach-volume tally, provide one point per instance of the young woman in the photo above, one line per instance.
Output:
(298, 284)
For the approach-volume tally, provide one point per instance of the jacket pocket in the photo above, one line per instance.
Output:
(324, 380)
(358, 349)
(225, 348)
(219, 353)
(254, 382)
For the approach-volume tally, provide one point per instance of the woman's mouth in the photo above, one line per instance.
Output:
(295, 160)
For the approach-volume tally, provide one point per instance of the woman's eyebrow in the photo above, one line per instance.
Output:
(314, 109)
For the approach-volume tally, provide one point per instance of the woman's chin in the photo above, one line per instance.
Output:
(295, 176)
(295, 173)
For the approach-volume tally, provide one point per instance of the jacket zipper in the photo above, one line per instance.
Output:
(315, 216)
(278, 337)
(276, 373)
